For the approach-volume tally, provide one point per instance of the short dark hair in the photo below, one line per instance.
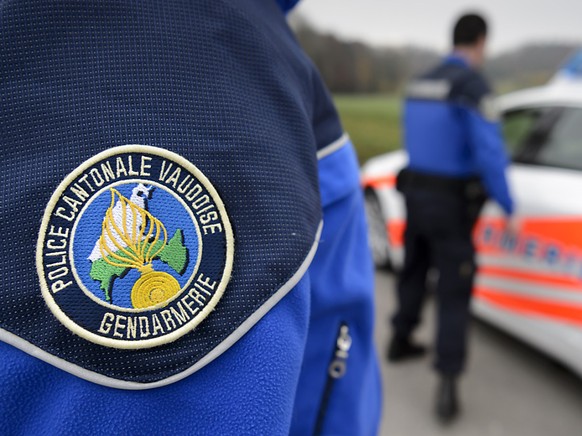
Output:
(469, 29)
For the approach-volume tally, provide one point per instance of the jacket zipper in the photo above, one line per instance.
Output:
(336, 370)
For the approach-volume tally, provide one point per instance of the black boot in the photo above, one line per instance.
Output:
(402, 349)
(447, 405)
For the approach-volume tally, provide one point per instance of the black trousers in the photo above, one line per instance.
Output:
(438, 235)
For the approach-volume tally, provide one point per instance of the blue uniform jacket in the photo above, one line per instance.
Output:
(222, 91)
(451, 128)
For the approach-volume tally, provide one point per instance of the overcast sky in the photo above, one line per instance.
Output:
(428, 23)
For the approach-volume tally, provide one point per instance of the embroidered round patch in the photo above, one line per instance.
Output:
(135, 248)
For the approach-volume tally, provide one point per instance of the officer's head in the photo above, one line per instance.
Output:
(469, 37)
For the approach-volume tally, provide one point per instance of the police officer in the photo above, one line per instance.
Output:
(167, 168)
(456, 158)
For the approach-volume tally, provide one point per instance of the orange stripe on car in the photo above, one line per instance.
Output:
(560, 229)
(531, 306)
(395, 229)
(387, 181)
(565, 282)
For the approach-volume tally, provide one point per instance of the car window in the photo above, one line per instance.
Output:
(517, 126)
(563, 146)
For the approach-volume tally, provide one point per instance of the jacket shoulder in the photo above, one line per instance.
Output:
(451, 83)
(469, 88)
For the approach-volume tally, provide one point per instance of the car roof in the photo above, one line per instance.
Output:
(557, 93)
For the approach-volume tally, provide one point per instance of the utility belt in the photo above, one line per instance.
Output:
(471, 190)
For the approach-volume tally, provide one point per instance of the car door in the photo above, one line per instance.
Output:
(530, 283)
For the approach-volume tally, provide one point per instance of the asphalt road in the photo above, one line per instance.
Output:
(509, 388)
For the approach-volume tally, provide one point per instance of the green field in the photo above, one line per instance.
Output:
(373, 122)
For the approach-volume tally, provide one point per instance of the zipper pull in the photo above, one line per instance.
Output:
(337, 367)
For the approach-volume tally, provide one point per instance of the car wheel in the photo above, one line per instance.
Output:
(377, 235)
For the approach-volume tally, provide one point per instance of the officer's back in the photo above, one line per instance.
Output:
(435, 137)
(451, 127)
(456, 158)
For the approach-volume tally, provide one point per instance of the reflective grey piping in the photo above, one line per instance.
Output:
(334, 146)
(429, 89)
(100, 379)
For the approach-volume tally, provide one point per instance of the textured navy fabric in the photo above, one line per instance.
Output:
(287, 5)
(221, 83)
(449, 133)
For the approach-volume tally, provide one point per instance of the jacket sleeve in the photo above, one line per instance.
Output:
(486, 143)
(342, 295)
(342, 306)
(490, 158)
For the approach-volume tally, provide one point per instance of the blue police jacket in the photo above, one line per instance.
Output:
(451, 128)
(183, 240)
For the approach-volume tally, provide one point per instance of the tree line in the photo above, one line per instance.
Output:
(355, 67)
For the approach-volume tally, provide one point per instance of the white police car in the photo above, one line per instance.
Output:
(528, 284)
